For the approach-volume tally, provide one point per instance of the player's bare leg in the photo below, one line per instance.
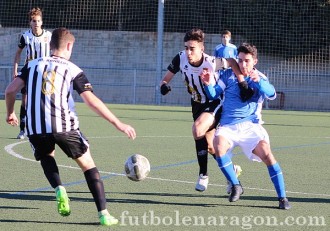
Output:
(200, 128)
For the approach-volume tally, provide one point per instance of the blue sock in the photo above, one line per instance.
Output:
(226, 166)
(275, 173)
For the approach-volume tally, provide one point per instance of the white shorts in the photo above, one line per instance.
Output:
(247, 135)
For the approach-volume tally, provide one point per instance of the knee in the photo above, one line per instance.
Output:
(197, 132)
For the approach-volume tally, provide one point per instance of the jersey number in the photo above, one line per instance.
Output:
(48, 79)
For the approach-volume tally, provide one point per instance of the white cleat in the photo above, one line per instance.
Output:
(21, 135)
(202, 183)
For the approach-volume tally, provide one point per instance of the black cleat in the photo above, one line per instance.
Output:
(284, 203)
(236, 192)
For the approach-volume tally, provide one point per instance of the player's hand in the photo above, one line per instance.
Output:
(129, 131)
(12, 119)
(254, 76)
(205, 76)
(165, 88)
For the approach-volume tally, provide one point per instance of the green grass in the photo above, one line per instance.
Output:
(300, 141)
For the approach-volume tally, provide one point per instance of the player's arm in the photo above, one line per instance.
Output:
(172, 69)
(16, 85)
(213, 90)
(17, 59)
(266, 88)
(246, 92)
(18, 53)
(164, 86)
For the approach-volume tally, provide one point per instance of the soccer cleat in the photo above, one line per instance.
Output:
(21, 135)
(108, 220)
(202, 182)
(238, 171)
(236, 192)
(284, 203)
(62, 199)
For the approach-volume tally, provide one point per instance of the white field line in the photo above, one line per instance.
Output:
(10, 151)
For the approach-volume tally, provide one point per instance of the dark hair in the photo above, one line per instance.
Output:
(194, 34)
(60, 37)
(226, 32)
(248, 48)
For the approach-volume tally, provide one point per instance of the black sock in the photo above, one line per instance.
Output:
(51, 172)
(201, 150)
(95, 185)
(22, 114)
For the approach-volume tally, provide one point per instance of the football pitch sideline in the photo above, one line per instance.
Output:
(167, 199)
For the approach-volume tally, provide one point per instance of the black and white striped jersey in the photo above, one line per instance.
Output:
(36, 46)
(50, 82)
(190, 73)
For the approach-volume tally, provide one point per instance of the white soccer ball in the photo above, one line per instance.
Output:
(137, 167)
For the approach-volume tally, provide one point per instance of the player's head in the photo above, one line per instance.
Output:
(35, 19)
(225, 37)
(247, 57)
(194, 45)
(62, 41)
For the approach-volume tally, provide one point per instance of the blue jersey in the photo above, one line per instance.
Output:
(234, 110)
(222, 51)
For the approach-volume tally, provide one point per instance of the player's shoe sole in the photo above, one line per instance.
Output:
(63, 206)
(108, 220)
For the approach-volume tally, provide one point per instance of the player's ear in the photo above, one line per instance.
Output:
(69, 46)
(255, 61)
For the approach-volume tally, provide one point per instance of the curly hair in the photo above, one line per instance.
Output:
(35, 12)
(194, 34)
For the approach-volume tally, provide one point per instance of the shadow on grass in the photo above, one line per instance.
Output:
(194, 199)
(49, 222)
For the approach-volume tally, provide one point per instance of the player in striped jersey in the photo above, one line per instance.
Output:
(36, 43)
(206, 112)
(52, 119)
(239, 125)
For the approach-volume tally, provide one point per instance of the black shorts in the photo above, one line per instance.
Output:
(72, 143)
(212, 107)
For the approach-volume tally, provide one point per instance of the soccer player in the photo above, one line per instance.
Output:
(239, 125)
(205, 111)
(36, 42)
(225, 49)
(52, 119)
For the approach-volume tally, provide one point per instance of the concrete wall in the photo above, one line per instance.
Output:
(122, 66)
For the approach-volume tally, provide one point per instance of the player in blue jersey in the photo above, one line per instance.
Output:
(36, 43)
(239, 125)
(206, 112)
(52, 119)
(225, 49)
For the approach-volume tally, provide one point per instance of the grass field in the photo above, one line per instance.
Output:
(167, 199)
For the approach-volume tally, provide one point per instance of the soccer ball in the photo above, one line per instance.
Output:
(137, 167)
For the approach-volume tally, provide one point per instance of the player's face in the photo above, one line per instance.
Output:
(225, 39)
(246, 63)
(194, 51)
(36, 23)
